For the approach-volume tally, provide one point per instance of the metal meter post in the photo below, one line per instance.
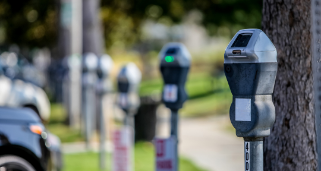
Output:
(128, 81)
(250, 66)
(103, 86)
(74, 63)
(174, 66)
(89, 80)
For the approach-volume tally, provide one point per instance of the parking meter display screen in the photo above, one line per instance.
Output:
(169, 54)
(242, 40)
(172, 51)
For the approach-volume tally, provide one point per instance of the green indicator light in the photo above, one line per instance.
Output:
(169, 58)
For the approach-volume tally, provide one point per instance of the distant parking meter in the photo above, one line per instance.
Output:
(128, 83)
(250, 66)
(103, 86)
(174, 66)
(90, 64)
(105, 64)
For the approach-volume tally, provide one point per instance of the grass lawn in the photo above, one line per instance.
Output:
(56, 125)
(144, 160)
(207, 95)
(216, 103)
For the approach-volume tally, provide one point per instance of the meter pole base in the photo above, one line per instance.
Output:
(174, 132)
(102, 154)
(88, 117)
(253, 154)
(129, 121)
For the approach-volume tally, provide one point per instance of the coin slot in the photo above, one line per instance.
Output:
(238, 52)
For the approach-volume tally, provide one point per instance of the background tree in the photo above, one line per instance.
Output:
(28, 23)
(291, 145)
(33, 23)
(122, 18)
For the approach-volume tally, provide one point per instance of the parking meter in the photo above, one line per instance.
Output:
(250, 66)
(103, 86)
(90, 63)
(105, 64)
(128, 83)
(174, 66)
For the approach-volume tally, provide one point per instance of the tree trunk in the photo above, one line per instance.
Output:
(292, 143)
(92, 31)
(64, 29)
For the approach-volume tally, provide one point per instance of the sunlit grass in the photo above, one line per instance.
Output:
(56, 125)
(216, 103)
(144, 160)
(207, 95)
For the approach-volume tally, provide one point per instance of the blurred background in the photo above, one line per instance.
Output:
(43, 43)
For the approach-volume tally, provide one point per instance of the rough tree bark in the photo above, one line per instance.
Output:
(291, 145)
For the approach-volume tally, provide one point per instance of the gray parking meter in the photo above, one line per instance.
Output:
(174, 66)
(128, 100)
(105, 64)
(250, 66)
(104, 86)
(90, 62)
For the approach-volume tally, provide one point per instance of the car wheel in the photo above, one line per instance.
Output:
(14, 163)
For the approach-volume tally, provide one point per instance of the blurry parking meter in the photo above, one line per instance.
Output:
(128, 83)
(103, 86)
(90, 63)
(174, 66)
(105, 64)
(250, 66)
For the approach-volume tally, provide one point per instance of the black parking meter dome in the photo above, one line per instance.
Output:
(129, 78)
(250, 66)
(174, 66)
(128, 81)
(105, 64)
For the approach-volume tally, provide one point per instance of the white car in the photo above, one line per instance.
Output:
(16, 93)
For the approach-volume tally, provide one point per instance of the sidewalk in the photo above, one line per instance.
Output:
(210, 145)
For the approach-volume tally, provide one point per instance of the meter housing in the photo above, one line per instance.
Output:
(174, 66)
(128, 81)
(250, 66)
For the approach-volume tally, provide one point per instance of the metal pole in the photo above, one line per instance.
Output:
(87, 116)
(129, 121)
(174, 132)
(90, 108)
(253, 154)
(102, 156)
